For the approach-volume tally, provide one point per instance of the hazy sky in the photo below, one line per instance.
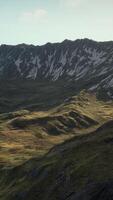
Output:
(40, 21)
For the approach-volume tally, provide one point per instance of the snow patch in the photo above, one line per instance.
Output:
(33, 73)
(17, 63)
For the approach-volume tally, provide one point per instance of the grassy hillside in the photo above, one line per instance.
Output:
(80, 168)
(25, 134)
(63, 152)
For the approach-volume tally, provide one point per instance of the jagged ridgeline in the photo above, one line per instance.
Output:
(88, 63)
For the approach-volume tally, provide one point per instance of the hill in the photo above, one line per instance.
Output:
(80, 168)
(25, 134)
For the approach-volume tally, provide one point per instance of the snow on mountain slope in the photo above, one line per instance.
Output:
(88, 63)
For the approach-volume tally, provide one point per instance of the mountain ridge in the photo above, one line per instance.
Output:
(87, 63)
(70, 40)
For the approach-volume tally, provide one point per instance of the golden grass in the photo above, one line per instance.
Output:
(18, 145)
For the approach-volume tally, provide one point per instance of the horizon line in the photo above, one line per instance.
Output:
(60, 42)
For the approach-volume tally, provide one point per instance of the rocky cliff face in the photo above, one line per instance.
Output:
(88, 63)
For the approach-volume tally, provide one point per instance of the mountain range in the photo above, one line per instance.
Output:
(89, 64)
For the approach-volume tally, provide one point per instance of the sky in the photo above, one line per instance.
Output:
(40, 21)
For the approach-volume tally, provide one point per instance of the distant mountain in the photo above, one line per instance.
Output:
(86, 62)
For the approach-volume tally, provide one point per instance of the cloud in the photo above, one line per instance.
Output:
(35, 16)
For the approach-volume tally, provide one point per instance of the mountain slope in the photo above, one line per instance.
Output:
(88, 63)
(25, 134)
(33, 95)
(80, 169)
(54, 143)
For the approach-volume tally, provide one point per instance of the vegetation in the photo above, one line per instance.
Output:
(54, 148)
(25, 134)
(68, 168)
(33, 95)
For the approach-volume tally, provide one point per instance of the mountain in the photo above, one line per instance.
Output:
(89, 64)
(78, 169)
(56, 121)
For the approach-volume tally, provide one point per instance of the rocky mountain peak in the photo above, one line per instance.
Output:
(87, 62)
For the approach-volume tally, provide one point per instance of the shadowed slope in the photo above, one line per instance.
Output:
(66, 171)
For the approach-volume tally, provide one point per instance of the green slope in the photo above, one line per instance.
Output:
(66, 171)
(25, 134)
(61, 153)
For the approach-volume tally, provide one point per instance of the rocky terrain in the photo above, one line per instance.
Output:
(88, 63)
